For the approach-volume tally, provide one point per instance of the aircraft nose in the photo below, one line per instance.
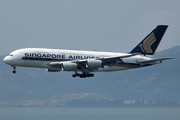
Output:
(7, 60)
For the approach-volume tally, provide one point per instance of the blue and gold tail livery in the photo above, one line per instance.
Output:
(151, 42)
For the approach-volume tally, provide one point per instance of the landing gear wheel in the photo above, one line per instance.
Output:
(14, 71)
(74, 75)
(83, 75)
(91, 75)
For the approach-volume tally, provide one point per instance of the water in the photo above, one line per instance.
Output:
(54, 113)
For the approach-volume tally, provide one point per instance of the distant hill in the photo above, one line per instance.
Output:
(160, 81)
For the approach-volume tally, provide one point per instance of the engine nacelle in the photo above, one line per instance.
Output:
(69, 66)
(94, 63)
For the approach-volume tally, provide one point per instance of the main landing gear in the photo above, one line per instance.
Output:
(14, 71)
(83, 75)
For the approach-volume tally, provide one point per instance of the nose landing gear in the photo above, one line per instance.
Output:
(14, 71)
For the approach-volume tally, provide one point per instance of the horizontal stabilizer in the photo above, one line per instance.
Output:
(153, 61)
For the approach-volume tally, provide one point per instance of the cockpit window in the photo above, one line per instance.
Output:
(10, 54)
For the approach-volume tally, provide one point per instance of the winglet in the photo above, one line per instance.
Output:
(150, 43)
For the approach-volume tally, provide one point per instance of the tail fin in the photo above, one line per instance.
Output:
(151, 42)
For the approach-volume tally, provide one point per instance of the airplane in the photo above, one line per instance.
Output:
(55, 60)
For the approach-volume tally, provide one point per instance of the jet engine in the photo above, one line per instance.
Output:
(94, 63)
(66, 66)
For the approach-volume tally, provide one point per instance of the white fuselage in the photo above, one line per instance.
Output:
(41, 57)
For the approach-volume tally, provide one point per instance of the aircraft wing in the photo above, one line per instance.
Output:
(105, 60)
(153, 61)
(82, 64)
(117, 58)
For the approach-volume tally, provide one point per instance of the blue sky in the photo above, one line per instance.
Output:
(102, 25)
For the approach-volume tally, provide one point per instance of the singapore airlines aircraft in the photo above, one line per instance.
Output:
(55, 60)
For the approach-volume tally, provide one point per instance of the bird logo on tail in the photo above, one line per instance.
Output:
(146, 46)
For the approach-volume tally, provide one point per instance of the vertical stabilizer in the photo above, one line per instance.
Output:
(150, 43)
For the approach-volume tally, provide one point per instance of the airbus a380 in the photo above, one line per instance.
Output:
(55, 60)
